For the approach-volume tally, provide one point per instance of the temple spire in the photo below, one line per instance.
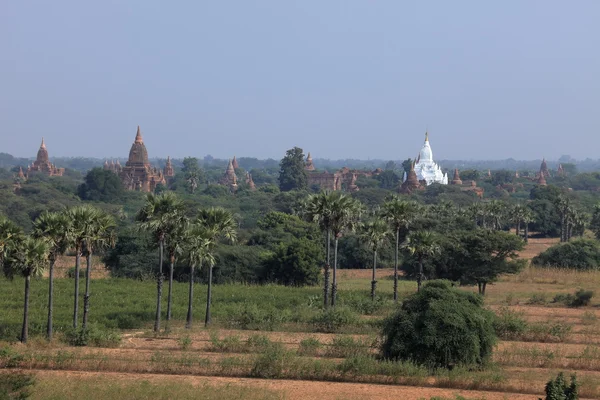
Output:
(234, 163)
(426, 136)
(138, 136)
(43, 145)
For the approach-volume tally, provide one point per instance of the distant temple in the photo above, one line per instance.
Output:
(43, 165)
(229, 178)
(343, 179)
(250, 182)
(426, 169)
(411, 181)
(138, 174)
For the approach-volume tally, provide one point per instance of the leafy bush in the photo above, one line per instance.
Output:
(92, 336)
(582, 298)
(347, 346)
(15, 385)
(71, 272)
(309, 347)
(333, 319)
(557, 389)
(509, 324)
(537, 299)
(270, 363)
(440, 326)
(251, 316)
(185, 342)
(296, 263)
(581, 254)
(579, 299)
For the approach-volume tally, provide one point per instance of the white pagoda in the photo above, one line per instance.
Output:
(426, 169)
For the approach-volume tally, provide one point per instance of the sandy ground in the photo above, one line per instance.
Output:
(293, 390)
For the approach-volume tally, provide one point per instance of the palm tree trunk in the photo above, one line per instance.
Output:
(396, 266)
(562, 227)
(208, 297)
(420, 277)
(373, 281)
(518, 227)
(86, 297)
(25, 327)
(188, 321)
(159, 285)
(76, 301)
(527, 232)
(50, 297)
(326, 272)
(334, 283)
(171, 265)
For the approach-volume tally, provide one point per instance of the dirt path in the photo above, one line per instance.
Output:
(293, 390)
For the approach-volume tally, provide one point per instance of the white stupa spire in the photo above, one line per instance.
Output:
(426, 169)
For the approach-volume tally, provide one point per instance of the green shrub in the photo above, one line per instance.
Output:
(582, 298)
(71, 272)
(558, 389)
(537, 299)
(229, 344)
(333, 319)
(256, 343)
(309, 347)
(347, 346)
(440, 326)
(250, 316)
(270, 364)
(579, 299)
(582, 254)
(547, 332)
(508, 324)
(185, 342)
(92, 336)
(10, 358)
(15, 385)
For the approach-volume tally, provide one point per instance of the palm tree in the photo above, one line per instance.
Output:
(175, 235)
(496, 210)
(99, 234)
(317, 208)
(399, 214)
(375, 233)
(421, 244)
(517, 213)
(199, 242)
(9, 233)
(345, 214)
(223, 225)
(528, 218)
(55, 228)
(81, 218)
(157, 216)
(27, 257)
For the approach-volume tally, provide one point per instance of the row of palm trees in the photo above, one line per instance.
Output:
(193, 240)
(84, 229)
(337, 213)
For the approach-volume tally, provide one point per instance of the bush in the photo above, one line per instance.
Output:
(347, 346)
(309, 347)
(92, 336)
(557, 389)
(15, 385)
(71, 272)
(582, 298)
(508, 324)
(440, 326)
(252, 317)
(579, 299)
(185, 342)
(296, 263)
(333, 319)
(581, 254)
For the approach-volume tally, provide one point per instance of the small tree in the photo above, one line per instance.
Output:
(375, 233)
(440, 326)
(296, 263)
(292, 175)
(558, 389)
(595, 222)
(193, 173)
(485, 255)
(422, 245)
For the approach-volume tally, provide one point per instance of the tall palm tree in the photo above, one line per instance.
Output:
(399, 214)
(81, 222)
(157, 216)
(318, 208)
(55, 228)
(516, 214)
(421, 244)
(99, 234)
(198, 244)
(27, 257)
(375, 233)
(223, 225)
(173, 241)
(528, 218)
(345, 214)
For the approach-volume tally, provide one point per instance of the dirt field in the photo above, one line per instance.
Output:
(521, 367)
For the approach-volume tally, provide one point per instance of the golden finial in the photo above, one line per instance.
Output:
(426, 136)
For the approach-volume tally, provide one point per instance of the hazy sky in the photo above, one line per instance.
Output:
(341, 79)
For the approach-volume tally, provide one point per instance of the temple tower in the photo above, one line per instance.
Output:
(456, 179)
(309, 166)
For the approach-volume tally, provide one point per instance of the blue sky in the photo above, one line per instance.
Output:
(341, 79)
